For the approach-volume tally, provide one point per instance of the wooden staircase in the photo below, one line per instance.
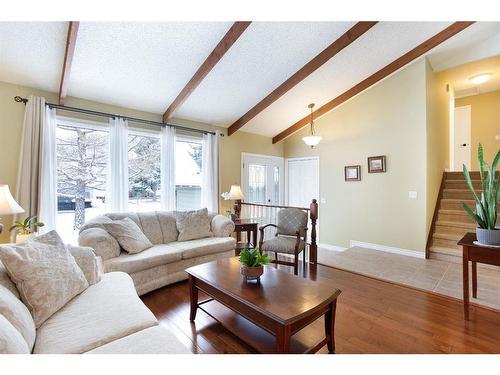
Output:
(450, 221)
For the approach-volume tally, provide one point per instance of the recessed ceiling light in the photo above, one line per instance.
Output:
(480, 78)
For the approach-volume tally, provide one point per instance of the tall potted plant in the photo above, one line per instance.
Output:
(485, 214)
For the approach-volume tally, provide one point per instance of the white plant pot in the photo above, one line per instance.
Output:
(23, 237)
(489, 237)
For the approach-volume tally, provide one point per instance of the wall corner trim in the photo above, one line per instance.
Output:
(388, 249)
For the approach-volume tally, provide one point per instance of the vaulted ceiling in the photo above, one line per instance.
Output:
(145, 66)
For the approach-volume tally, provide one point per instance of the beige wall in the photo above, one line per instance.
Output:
(387, 119)
(437, 137)
(485, 118)
(11, 119)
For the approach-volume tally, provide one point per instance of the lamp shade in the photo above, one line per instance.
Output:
(235, 193)
(8, 206)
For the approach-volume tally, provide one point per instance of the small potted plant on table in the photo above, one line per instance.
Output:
(26, 229)
(486, 207)
(252, 263)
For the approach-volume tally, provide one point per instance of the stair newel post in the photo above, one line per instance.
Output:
(313, 247)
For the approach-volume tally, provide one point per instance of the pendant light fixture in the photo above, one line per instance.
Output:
(312, 140)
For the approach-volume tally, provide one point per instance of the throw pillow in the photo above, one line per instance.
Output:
(129, 235)
(45, 273)
(193, 224)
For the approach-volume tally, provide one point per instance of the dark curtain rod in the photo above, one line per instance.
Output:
(104, 114)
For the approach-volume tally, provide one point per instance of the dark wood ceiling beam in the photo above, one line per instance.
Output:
(338, 45)
(68, 59)
(224, 45)
(408, 57)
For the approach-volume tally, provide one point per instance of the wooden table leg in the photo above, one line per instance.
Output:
(193, 294)
(465, 266)
(254, 237)
(474, 279)
(238, 236)
(330, 327)
(283, 337)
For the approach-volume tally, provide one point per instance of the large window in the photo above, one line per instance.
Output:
(144, 171)
(82, 156)
(188, 156)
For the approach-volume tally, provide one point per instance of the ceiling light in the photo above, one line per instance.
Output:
(480, 78)
(312, 140)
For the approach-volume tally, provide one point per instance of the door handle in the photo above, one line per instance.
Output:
(463, 144)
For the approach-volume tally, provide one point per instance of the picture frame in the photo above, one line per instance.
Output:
(376, 164)
(352, 173)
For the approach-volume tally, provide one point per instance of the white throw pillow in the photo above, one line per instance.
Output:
(129, 235)
(45, 273)
(193, 225)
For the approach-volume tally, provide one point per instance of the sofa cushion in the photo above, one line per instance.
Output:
(152, 257)
(168, 226)
(95, 222)
(122, 215)
(193, 224)
(11, 341)
(45, 274)
(154, 340)
(103, 243)
(151, 227)
(89, 263)
(104, 312)
(7, 282)
(129, 235)
(204, 246)
(18, 315)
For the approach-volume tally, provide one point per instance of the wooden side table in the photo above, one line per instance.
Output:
(251, 228)
(475, 254)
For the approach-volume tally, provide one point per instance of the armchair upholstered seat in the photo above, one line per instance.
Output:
(291, 234)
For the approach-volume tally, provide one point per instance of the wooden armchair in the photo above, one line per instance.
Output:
(290, 238)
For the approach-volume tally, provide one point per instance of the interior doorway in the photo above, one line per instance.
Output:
(462, 138)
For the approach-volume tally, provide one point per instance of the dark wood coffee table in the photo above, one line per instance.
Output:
(268, 313)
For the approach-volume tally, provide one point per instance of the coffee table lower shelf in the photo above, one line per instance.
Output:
(259, 339)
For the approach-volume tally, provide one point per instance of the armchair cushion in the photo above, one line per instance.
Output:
(222, 226)
(282, 244)
(291, 220)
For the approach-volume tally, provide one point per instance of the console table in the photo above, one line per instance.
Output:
(475, 254)
(251, 228)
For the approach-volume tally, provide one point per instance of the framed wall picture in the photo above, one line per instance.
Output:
(352, 173)
(376, 164)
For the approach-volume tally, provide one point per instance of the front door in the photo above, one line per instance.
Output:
(261, 178)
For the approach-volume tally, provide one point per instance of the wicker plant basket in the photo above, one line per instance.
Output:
(252, 273)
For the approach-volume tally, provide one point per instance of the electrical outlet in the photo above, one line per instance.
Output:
(323, 200)
(497, 137)
(412, 194)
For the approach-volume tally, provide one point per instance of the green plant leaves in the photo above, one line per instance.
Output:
(486, 207)
(253, 258)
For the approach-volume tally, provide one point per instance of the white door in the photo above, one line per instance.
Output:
(461, 137)
(302, 184)
(262, 177)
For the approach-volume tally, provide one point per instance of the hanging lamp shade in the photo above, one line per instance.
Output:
(312, 139)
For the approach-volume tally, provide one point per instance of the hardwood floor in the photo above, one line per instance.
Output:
(373, 316)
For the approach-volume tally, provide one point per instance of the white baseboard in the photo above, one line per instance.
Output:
(388, 249)
(328, 247)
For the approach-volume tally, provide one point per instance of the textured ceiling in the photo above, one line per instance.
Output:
(145, 65)
(32, 53)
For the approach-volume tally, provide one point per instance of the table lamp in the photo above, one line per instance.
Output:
(236, 194)
(8, 206)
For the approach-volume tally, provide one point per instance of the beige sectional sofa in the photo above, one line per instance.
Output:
(108, 317)
(166, 261)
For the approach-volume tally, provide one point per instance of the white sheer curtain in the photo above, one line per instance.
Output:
(167, 168)
(117, 177)
(48, 173)
(210, 172)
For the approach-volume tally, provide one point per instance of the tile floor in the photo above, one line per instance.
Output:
(429, 274)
